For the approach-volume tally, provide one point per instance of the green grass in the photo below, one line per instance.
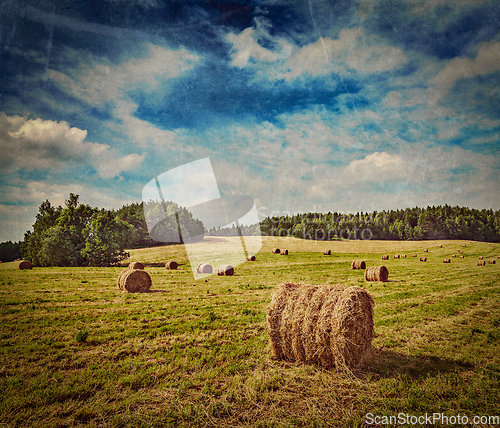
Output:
(75, 351)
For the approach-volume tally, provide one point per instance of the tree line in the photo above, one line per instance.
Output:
(81, 235)
(441, 222)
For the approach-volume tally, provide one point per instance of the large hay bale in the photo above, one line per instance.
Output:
(329, 326)
(327, 253)
(25, 265)
(396, 256)
(358, 264)
(491, 262)
(385, 257)
(423, 259)
(276, 251)
(481, 263)
(447, 261)
(136, 265)
(251, 258)
(171, 264)
(204, 268)
(284, 252)
(134, 281)
(225, 270)
(377, 273)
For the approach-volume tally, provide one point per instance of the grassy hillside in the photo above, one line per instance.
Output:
(75, 351)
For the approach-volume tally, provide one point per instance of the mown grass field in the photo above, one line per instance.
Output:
(75, 351)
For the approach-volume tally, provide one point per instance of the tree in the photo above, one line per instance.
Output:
(105, 239)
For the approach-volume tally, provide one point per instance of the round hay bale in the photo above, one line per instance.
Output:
(423, 259)
(462, 257)
(377, 273)
(225, 270)
(396, 256)
(440, 246)
(25, 265)
(171, 264)
(251, 258)
(204, 268)
(464, 245)
(481, 263)
(135, 281)
(491, 262)
(414, 255)
(385, 257)
(426, 250)
(480, 257)
(327, 253)
(329, 326)
(358, 264)
(284, 252)
(403, 256)
(276, 251)
(454, 255)
(460, 251)
(447, 261)
(136, 265)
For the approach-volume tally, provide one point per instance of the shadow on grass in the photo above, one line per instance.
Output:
(386, 364)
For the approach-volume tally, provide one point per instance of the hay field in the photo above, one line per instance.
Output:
(75, 351)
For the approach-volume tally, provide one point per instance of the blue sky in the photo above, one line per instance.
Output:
(313, 105)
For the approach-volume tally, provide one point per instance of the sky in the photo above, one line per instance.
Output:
(318, 105)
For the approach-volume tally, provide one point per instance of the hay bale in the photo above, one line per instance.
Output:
(276, 251)
(284, 252)
(440, 246)
(447, 261)
(423, 259)
(480, 257)
(204, 268)
(385, 257)
(396, 256)
(426, 250)
(25, 265)
(251, 258)
(358, 264)
(329, 326)
(136, 265)
(481, 263)
(460, 251)
(462, 257)
(134, 281)
(171, 265)
(225, 270)
(377, 273)
(454, 255)
(464, 245)
(403, 256)
(327, 253)
(491, 262)
(414, 255)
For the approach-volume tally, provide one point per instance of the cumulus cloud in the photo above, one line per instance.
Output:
(378, 166)
(486, 61)
(37, 144)
(352, 50)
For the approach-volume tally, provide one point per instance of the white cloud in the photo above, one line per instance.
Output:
(37, 144)
(378, 166)
(487, 61)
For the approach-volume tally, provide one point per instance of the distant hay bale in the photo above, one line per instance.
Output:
(25, 265)
(462, 257)
(491, 262)
(447, 261)
(284, 252)
(377, 273)
(396, 256)
(225, 270)
(134, 281)
(136, 265)
(460, 251)
(454, 255)
(426, 250)
(414, 255)
(423, 259)
(171, 264)
(358, 264)
(276, 251)
(204, 268)
(403, 256)
(385, 257)
(327, 253)
(330, 326)
(480, 257)
(440, 246)
(251, 258)
(481, 263)
(464, 245)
